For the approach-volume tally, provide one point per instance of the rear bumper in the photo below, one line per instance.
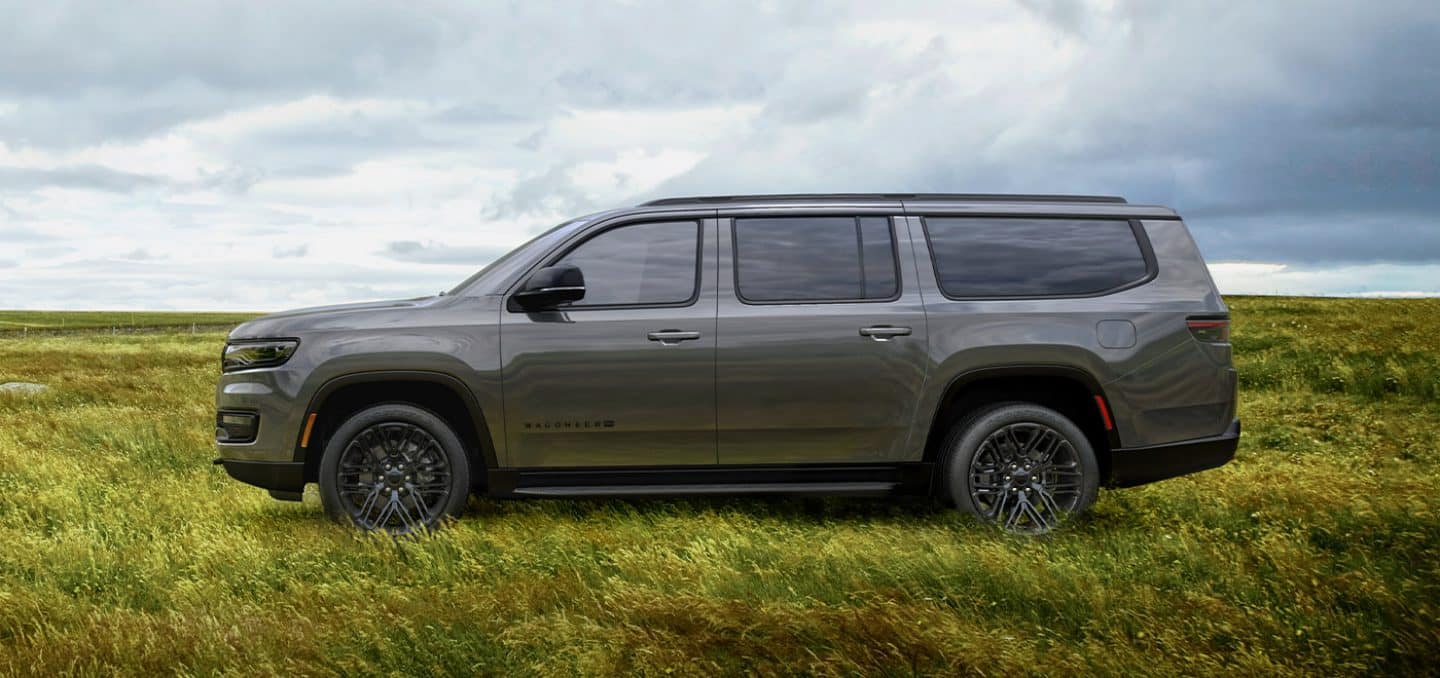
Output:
(278, 476)
(1141, 465)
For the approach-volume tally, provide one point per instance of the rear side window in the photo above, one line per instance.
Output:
(978, 257)
(797, 259)
(639, 264)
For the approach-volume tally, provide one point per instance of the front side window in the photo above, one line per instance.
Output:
(797, 259)
(639, 264)
(1000, 257)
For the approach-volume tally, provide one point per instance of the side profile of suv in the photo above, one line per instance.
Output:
(1008, 354)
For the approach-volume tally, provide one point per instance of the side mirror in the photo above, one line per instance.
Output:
(551, 286)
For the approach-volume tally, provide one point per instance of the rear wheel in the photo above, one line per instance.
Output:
(1021, 466)
(396, 468)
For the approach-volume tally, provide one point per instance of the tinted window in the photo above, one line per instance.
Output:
(639, 264)
(815, 259)
(1033, 257)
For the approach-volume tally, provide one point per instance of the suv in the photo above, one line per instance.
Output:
(1007, 354)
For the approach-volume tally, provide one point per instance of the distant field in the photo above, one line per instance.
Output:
(1317, 551)
(20, 321)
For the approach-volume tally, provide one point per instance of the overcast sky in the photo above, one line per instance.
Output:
(259, 156)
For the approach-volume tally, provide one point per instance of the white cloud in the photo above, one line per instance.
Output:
(602, 130)
(309, 110)
(630, 172)
(1373, 280)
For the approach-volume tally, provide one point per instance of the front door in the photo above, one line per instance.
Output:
(625, 376)
(821, 353)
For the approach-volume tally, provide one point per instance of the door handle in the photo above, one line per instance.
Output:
(672, 337)
(884, 332)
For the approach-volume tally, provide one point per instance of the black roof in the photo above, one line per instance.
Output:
(935, 197)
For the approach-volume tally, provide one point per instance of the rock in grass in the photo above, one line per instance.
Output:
(22, 388)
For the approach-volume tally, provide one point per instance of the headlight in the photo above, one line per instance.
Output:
(251, 354)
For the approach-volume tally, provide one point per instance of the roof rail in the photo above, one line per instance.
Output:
(953, 197)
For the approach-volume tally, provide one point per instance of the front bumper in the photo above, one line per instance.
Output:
(285, 477)
(260, 447)
(274, 398)
(1141, 465)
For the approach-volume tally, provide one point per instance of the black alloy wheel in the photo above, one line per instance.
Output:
(1020, 466)
(395, 468)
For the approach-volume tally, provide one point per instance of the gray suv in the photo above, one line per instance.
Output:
(1007, 354)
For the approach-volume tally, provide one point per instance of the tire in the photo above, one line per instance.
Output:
(1021, 466)
(396, 468)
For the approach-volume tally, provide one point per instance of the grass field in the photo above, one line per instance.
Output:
(1317, 551)
(51, 321)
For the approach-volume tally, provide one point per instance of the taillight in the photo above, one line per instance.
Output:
(1211, 330)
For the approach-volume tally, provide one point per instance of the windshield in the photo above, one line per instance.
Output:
(515, 252)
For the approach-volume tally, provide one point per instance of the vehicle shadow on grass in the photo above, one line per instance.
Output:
(796, 510)
(815, 511)
(803, 510)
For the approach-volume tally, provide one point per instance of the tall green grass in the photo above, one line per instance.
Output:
(123, 550)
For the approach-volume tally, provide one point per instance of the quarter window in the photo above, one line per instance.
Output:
(977, 257)
(647, 264)
(815, 259)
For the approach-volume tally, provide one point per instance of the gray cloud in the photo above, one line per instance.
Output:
(140, 254)
(1070, 17)
(48, 252)
(1328, 239)
(549, 192)
(90, 45)
(89, 71)
(20, 235)
(91, 177)
(1281, 135)
(234, 179)
(296, 252)
(436, 253)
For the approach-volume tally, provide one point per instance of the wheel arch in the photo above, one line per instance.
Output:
(443, 394)
(1064, 388)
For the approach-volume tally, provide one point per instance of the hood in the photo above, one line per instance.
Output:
(337, 316)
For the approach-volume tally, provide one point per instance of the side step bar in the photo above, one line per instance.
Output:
(659, 481)
(847, 489)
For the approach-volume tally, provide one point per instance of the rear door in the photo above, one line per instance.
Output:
(625, 376)
(821, 338)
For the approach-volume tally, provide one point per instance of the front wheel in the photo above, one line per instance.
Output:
(396, 468)
(1021, 466)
